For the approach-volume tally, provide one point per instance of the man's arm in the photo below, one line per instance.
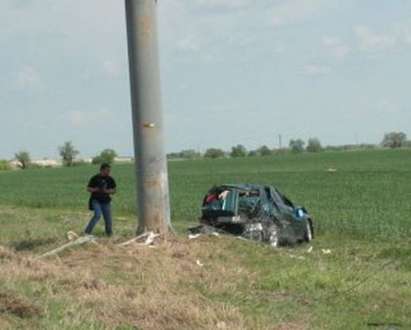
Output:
(92, 186)
(110, 191)
(92, 189)
(112, 187)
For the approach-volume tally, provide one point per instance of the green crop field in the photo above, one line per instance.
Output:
(368, 195)
(362, 210)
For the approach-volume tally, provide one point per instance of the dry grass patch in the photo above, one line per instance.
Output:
(12, 303)
(149, 288)
(293, 326)
(4, 323)
(6, 253)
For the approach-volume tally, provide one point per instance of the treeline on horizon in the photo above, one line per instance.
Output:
(68, 157)
(69, 153)
(391, 140)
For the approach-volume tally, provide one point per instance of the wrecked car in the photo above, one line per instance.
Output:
(256, 212)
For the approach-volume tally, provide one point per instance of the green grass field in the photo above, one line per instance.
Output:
(362, 213)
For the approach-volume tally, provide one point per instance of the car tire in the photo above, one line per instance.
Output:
(274, 236)
(253, 233)
(308, 235)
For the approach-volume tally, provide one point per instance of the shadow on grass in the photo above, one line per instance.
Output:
(31, 244)
(18, 306)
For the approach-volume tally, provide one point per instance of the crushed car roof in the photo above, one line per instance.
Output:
(242, 186)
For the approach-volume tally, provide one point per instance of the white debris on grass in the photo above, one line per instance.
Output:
(310, 249)
(199, 263)
(145, 239)
(77, 242)
(222, 325)
(326, 251)
(71, 236)
(195, 236)
(296, 257)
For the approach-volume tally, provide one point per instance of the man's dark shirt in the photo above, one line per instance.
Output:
(102, 182)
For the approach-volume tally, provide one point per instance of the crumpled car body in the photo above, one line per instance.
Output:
(256, 212)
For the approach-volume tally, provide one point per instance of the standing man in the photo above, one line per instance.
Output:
(101, 187)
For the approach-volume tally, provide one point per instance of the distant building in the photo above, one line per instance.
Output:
(14, 164)
(38, 162)
(46, 162)
(86, 160)
(123, 160)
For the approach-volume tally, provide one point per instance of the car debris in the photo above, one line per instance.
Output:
(195, 236)
(296, 257)
(74, 242)
(72, 236)
(146, 239)
(254, 212)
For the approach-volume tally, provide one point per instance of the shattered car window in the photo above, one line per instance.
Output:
(249, 201)
(220, 201)
(285, 200)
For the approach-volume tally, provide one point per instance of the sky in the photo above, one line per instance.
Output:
(233, 71)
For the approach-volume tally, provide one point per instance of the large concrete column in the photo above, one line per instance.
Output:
(151, 161)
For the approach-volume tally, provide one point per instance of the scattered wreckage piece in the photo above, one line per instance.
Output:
(71, 236)
(255, 212)
(77, 242)
(145, 239)
(203, 229)
(193, 236)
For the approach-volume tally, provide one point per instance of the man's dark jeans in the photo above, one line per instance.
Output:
(100, 209)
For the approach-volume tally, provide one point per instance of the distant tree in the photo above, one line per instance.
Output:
(394, 140)
(346, 147)
(184, 154)
(280, 151)
(214, 153)
(253, 153)
(173, 155)
(189, 154)
(314, 145)
(23, 157)
(238, 151)
(106, 156)
(297, 146)
(68, 153)
(264, 151)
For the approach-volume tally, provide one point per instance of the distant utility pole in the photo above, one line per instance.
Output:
(280, 141)
(151, 161)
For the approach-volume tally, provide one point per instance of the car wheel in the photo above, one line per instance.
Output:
(274, 236)
(308, 236)
(253, 232)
